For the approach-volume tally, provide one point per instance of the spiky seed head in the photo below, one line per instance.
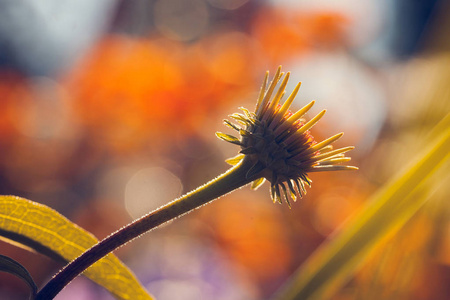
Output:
(279, 144)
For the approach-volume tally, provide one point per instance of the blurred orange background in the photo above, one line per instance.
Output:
(108, 110)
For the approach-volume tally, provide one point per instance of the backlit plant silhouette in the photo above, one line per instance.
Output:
(276, 145)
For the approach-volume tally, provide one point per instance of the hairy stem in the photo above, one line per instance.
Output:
(232, 179)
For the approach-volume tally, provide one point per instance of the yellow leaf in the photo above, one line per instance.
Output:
(43, 229)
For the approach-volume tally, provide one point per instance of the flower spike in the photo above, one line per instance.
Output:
(278, 143)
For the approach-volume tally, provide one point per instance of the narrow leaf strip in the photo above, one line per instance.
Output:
(11, 266)
(45, 230)
(331, 265)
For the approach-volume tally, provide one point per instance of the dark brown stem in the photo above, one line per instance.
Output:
(232, 179)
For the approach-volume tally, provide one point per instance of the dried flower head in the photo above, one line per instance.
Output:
(279, 145)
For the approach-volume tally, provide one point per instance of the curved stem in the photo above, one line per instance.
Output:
(230, 180)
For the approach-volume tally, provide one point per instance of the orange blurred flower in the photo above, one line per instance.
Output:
(286, 34)
(13, 90)
(131, 90)
(254, 235)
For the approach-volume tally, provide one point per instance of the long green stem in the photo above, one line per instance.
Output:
(232, 179)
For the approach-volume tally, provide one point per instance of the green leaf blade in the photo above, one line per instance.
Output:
(329, 267)
(11, 266)
(41, 228)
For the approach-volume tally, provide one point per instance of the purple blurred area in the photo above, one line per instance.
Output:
(108, 110)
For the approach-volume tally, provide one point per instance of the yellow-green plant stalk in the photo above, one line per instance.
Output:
(330, 266)
(275, 145)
